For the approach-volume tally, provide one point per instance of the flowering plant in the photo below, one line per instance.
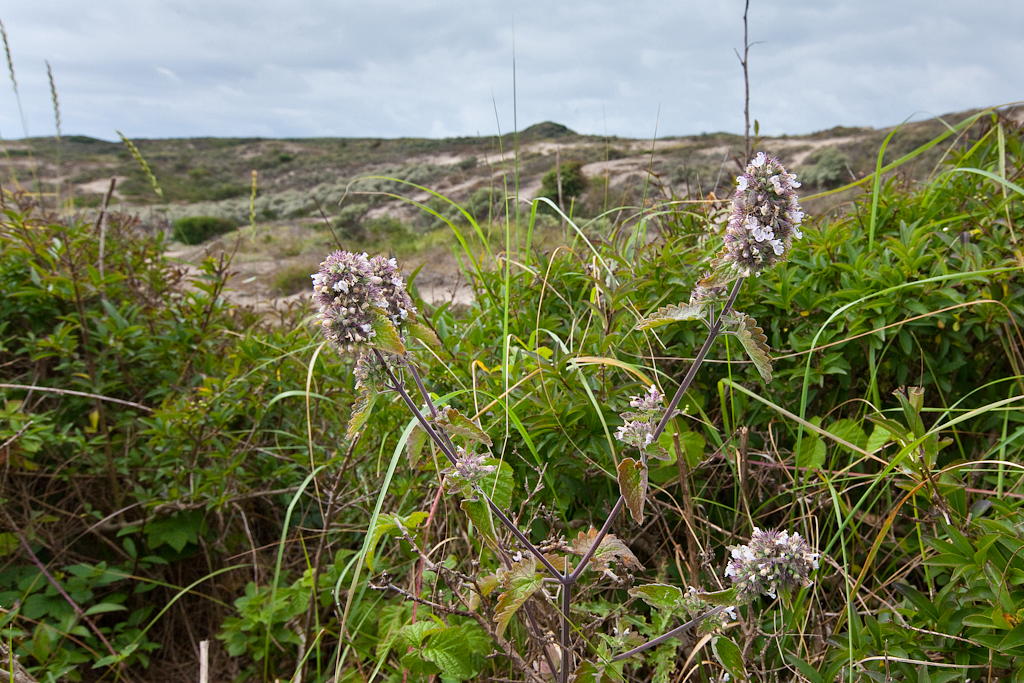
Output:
(364, 308)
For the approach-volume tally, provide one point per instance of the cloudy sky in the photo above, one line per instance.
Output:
(388, 68)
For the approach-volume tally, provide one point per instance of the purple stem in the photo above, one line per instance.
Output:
(669, 413)
(671, 634)
(450, 454)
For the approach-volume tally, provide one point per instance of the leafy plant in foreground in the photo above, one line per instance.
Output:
(364, 309)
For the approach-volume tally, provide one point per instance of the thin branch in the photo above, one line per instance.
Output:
(678, 630)
(449, 453)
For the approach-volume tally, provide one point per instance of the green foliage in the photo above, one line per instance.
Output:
(826, 167)
(198, 229)
(573, 182)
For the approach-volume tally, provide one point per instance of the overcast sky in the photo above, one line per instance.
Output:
(389, 68)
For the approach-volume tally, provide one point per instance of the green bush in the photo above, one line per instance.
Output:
(573, 180)
(827, 167)
(197, 229)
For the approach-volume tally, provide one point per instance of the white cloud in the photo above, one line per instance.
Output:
(391, 68)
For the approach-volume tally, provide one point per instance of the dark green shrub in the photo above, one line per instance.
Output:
(196, 229)
(573, 181)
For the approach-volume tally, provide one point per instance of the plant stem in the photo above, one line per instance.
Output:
(449, 453)
(669, 413)
(564, 630)
(678, 630)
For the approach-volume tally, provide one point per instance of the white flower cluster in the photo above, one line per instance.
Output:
(638, 427)
(765, 218)
(773, 561)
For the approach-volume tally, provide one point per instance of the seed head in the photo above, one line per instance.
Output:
(773, 561)
(350, 297)
(765, 217)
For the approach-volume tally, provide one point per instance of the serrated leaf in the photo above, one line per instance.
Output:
(722, 274)
(457, 424)
(413, 635)
(480, 514)
(671, 314)
(520, 582)
(361, 409)
(456, 651)
(423, 333)
(754, 342)
(632, 476)
(498, 485)
(729, 656)
(386, 337)
(611, 550)
(658, 595)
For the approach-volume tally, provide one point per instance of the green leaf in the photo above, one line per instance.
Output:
(633, 486)
(658, 595)
(589, 672)
(103, 607)
(848, 430)
(414, 445)
(176, 530)
(386, 337)
(424, 333)
(520, 582)
(458, 651)
(391, 525)
(457, 424)
(754, 342)
(811, 453)
(671, 314)
(726, 597)
(498, 486)
(413, 635)
(729, 656)
(361, 409)
(693, 445)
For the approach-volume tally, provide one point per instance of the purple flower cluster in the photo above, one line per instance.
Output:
(399, 304)
(470, 467)
(638, 428)
(773, 561)
(352, 291)
(765, 217)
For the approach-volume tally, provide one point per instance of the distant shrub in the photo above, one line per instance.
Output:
(574, 182)
(467, 164)
(826, 168)
(387, 230)
(196, 229)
